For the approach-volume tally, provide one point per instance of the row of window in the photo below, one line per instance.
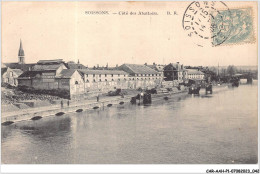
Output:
(145, 78)
(148, 75)
(141, 75)
(124, 79)
(112, 75)
(196, 75)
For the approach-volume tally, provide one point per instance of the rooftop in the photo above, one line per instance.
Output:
(140, 69)
(73, 65)
(39, 67)
(66, 73)
(3, 70)
(23, 67)
(157, 67)
(30, 74)
(53, 61)
(17, 71)
(194, 71)
(102, 71)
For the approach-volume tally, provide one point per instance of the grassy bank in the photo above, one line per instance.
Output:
(13, 95)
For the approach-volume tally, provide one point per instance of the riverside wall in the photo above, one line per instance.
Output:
(51, 111)
(84, 105)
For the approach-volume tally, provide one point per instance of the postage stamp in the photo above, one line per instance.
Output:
(215, 24)
(239, 27)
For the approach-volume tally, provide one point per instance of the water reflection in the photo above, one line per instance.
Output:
(218, 128)
(43, 129)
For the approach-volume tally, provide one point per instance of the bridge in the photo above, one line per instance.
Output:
(248, 76)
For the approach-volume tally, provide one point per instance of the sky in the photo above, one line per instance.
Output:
(62, 30)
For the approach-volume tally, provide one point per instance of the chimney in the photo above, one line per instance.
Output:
(116, 65)
(78, 64)
(178, 66)
(97, 65)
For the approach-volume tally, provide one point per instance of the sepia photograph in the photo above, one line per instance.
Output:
(129, 82)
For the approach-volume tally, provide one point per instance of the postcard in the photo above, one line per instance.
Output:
(129, 82)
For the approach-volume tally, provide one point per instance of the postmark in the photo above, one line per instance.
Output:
(205, 24)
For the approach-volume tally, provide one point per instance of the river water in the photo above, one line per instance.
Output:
(213, 129)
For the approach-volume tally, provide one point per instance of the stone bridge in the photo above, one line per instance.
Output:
(247, 76)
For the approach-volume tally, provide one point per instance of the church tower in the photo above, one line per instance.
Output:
(21, 54)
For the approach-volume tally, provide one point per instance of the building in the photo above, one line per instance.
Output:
(194, 74)
(142, 76)
(69, 80)
(175, 72)
(104, 80)
(43, 74)
(54, 74)
(10, 76)
(46, 69)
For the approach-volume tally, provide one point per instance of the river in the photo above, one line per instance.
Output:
(216, 129)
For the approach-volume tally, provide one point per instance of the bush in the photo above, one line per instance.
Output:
(54, 92)
(25, 88)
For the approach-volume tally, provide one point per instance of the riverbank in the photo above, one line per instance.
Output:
(76, 106)
(12, 95)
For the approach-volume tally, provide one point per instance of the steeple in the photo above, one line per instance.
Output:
(21, 54)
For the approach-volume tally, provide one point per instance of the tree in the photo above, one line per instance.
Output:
(213, 69)
(231, 70)
(223, 72)
(210, 74)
